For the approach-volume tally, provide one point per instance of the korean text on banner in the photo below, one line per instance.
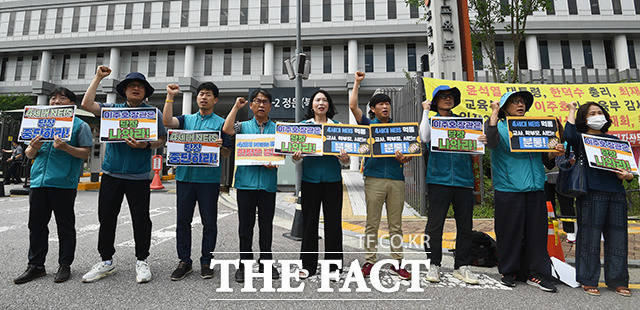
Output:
(609, 154)
(193, 148)
(256, 150)
(117, 124)
(291, 138)
(48, 122)
(457, 135)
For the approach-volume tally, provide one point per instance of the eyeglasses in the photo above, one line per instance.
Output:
(517, 100)
(446, 96)
(135, 85)
(261, 101)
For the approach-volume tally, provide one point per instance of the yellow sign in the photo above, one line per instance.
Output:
(621, 100)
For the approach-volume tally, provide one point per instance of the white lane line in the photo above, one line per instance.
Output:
(167, 233)
(8, 228)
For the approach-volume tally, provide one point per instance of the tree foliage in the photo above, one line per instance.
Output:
(13, 102)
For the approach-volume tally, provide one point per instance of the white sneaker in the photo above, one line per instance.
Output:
(143, 272)
(98, 271)
(465, 275)
(571, 237)
(433, 274)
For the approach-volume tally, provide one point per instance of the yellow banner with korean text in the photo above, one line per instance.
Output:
(621, 100)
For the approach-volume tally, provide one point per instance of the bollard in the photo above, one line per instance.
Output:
(297, 227)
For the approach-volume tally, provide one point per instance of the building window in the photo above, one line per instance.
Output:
(544, 54)
(204, 13)
(348, 9)
(264, 11)
(326, 10)
(617, 8)
(166, 8)
(424, 63)
(284, 11)
(391, 9)
(370, 9)
(608, 54)
(345, 58)
(246, 61)
(184, 14)
(151, 72)
(636, 3)
(93, 15)
(18, 75)
(35, 66)
(391, 58)
(573, 7)
(82, 66)
(632, 55)
(551, 9)
(65, 67)
(595, 7)
(244, 12)
(43, 22)
(208, 62)
(411, 57)
(286, 54)
(59, 17)
(12, 23)
(224, 12)
(99, 59)
(522, 56)
(171, 62)
(111, 11)
(477, 57)
(413, 11)
(588, 55)
(75, 22)
(226, 69)
(566, 54)
(3, 69)
(134, 62)
(306, 11)
(27, 23)
(128, 15)
(500, 54)
(146, 19)
(326, 59)
(368, 58)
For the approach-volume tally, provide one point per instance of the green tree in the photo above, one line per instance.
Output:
(13, 102)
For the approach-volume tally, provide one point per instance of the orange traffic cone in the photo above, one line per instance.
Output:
(157, 181)
(553, 242)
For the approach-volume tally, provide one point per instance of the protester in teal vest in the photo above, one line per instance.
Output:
(450, 182)
(383, 184)
(520, 212)
(54, 181)
(201, 184)
(126, 171)
(255, 185)
(321, 185)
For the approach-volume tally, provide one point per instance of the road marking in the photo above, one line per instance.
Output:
(8, 228)
(166, 233)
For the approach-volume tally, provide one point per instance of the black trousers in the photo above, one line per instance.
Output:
(112, 191)
(521, 233)
(440, 197)
(566, 205)
(206, 194)
(42, 201)
(14, 171)
(248, 202)
(329, 195)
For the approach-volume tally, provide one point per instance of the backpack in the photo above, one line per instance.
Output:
(483, 250)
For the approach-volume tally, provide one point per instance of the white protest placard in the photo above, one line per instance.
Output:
(457, 135)
(256, 150)
(609, 154)
(117, 124)
(291, 138)
(48, 122)
(197, 148)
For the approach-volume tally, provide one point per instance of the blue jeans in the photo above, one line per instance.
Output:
(206, 194)
(606, 213)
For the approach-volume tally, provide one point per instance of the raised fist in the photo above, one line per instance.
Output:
(426, 105)
(495, 106)
(241, 102)
(173, 89)
(103, 71)
(359, 76)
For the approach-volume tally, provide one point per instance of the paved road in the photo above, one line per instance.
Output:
(121, 290)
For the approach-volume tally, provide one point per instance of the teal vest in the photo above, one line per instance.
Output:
(321, 169)
(450, 169)
(383, 167)
(256, 177)
(121, 159)
(200, 174)
(57, 168)
(515, 171)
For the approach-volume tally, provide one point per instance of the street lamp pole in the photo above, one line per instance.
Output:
(298, 110)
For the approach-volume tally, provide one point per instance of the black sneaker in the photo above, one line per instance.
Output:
(508, 280)
(541, 283)
(63, 274)
(181, 271)
(30, 274)
(240, 273)
(275, 274)
(206, 272)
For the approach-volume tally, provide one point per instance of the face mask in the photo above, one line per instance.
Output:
(596, 122)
